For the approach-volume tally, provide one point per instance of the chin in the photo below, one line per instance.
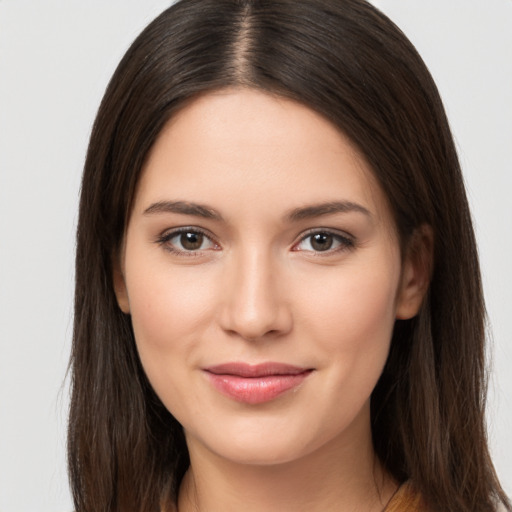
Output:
(267, 443)
(259, 452)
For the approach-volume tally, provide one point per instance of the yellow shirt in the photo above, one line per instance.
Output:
(406, 499)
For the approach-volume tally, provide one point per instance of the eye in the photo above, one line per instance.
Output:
(324, 241)
(187, 240)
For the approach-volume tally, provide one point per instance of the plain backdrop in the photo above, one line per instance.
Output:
(56, 57)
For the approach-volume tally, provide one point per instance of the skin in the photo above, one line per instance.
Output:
(259, 290)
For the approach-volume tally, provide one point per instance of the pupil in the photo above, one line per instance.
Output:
(321, 242)
(191, 241)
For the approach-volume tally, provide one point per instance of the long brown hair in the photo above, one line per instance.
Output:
(347, 61)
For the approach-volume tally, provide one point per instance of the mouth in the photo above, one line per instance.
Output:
(256, 384)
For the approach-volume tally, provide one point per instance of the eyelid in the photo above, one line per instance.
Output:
(347, 240)
(168, 234)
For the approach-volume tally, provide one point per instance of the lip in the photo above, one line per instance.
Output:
(255, 384)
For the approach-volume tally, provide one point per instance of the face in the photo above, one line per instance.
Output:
(262, 273)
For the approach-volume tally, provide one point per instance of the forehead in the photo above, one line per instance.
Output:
(245, 148)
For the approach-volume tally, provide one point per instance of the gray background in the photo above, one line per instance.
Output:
(56, 57)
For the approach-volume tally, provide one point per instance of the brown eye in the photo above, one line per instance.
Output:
(187, 241)
(322, 241)
(191, 241)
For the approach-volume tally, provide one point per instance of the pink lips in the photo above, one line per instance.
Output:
(255, 384)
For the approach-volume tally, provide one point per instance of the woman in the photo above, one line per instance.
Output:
(278, 302)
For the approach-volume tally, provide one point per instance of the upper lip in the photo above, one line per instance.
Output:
(255, 370)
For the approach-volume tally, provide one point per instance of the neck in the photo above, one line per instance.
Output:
(340, 475)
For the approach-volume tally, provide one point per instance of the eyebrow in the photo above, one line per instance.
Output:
(317, 210)
(297, 214)
(183, 207)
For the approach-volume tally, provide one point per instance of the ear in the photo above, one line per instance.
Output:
(120, 285)
(416, 272)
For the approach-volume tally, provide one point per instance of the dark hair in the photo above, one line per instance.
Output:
(348, 62)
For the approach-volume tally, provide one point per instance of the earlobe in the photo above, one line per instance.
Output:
(416, 273)
(120, 286)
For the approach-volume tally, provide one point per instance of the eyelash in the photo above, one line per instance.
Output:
(345, 242)
(166, 237)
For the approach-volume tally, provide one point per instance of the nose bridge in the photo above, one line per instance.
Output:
(254, 304)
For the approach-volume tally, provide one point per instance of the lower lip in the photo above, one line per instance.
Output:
(256, 390)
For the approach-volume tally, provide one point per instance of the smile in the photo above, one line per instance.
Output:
(255, 384)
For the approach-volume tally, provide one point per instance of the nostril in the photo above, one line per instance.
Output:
(258, 328)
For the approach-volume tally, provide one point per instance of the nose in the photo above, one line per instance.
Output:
(254, 304)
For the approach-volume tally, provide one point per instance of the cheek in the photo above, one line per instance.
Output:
(169, 309)
(166, 307)
(351, 315)
(169, 313)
